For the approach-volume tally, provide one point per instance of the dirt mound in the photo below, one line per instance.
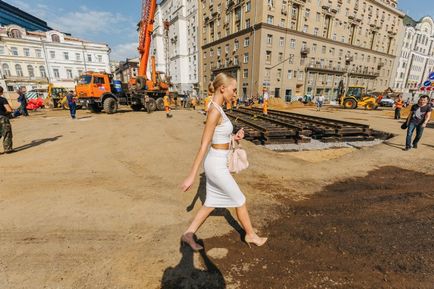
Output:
(366, 232)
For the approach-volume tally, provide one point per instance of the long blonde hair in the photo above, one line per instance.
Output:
(220, 80)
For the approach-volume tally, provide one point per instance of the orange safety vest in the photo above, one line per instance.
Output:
(206, 102)
(166, 101)
(399, 104)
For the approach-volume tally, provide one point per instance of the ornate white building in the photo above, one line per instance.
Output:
(35, 58)
(415, 55)
(176, 49)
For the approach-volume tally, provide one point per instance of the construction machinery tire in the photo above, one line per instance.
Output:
(151, 105)
(370, 106)
(95, 108)
(160, 104)
(110, 105)
(141, 83)
(350, 103)
(136, 107)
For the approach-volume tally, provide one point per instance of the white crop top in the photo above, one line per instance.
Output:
(223, 131)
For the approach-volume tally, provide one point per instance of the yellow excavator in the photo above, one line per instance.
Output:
(355, 96)
(56, 97)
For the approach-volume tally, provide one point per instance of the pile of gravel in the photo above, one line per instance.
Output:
(317, 145)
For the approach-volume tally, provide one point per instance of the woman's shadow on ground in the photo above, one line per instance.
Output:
(185, 275)
(201, 195)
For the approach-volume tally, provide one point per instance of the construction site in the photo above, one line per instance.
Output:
(91, 194)
(87, 207)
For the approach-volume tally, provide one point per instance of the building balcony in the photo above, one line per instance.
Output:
(304, 51)
(325, 68)
(25, 79)
(358, 72)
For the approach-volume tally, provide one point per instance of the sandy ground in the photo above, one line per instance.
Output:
(95, 203)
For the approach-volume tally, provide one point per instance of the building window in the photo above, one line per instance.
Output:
(282, 41)
(270, 19)
(315, 31)
(246, 57)
(268, 56)
(99, 58)
(248, 6)
(6, 70)
(236, 45)
(292, 44)
(38, 53)
(248, 23)
(56, 73)
(2, 50)
(14, 51)
(15, 33)
(42, 71)
(77, 57)
(289, 74)
(31, 71)
(55, 38)
(305, 28)
(69, 73)
(245, 73)
(89, 57)
(66, 55)
(269, 39)
(52, 54)
(19, 70)
(26, 52)
(246, 42)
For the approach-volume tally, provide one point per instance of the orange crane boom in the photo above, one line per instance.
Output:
(146, 28)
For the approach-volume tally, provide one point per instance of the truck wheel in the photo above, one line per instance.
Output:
(95, 108)
(152, 104)
(350, 103)
(136, 107)
(110, 105)
(160, 104)
(370, 106)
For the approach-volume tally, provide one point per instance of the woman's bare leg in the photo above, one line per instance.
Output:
(243, 217)
(198, 220)
(251, 237)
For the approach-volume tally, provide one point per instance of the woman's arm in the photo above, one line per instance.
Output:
(211, 122)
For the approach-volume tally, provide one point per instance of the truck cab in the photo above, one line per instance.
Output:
(95, 91)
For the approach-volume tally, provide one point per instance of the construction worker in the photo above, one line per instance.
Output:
(5, 125)
(265, 97)
(193, 101)
(208, 99)
(399, 103)
(71, 103)
(22, 100)
(228, 105)
(166, 102)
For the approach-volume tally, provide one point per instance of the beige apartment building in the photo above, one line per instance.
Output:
(297, 47)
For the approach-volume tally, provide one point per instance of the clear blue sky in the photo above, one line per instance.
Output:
(416, 9)
(114, 21)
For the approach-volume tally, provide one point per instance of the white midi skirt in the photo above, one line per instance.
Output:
(221, 189)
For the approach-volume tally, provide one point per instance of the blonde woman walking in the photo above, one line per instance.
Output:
(221, 189)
